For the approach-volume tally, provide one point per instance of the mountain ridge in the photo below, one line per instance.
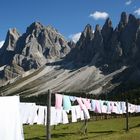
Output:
(99, 63)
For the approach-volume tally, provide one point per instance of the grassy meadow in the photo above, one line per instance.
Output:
(111, 129)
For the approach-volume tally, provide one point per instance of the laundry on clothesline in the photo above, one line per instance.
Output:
(32, 113)
(10, 122)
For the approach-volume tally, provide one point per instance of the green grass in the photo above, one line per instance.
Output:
(111, 129)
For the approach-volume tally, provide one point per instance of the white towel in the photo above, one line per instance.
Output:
(10, 122)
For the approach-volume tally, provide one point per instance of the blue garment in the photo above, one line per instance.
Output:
(72, 98)
(66, 102)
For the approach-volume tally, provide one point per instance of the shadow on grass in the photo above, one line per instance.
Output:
(133, 127)
(99, 133)
(62, 135)
(103, 132)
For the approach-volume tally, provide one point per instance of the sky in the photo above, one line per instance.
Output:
(69, 17)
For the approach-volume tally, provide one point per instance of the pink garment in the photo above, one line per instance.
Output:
(98, 106)
(87, 103)
(58, 101)
(79, 100)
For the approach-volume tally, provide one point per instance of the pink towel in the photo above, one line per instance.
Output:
(58, 101)
(79, 100)
(87, 103)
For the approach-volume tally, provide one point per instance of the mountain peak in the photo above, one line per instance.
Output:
(97, 28)
(11, 38)
(108, 22)
(124, 18)
(34, 26)
(88, 29)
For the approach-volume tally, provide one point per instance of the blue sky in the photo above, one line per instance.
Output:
(68, 16)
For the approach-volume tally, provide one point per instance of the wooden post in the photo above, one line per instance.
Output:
(127, 115)
(48, 128)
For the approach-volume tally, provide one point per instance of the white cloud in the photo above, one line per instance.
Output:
(128, 2)
(137, 11)
(75, 37)
(1, 43)
(99, 15)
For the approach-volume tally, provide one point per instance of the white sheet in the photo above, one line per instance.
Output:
(10, 122)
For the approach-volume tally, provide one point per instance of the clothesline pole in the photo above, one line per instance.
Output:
(48, 128)
(127, 115)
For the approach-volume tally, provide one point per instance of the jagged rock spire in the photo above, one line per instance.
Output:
(107, 31)
(124, 18)
(11, 39)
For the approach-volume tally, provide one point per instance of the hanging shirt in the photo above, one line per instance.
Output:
(58, 101)
(79, 100)
(10, 121)
(66, 102)
(72, 98)
(87, 103)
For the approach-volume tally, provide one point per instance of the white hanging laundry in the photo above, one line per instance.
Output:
(123, 107)
(33, 114)
(132, 108)
(78, 111)
(93, 105)
(36, 115)
(82, 115)
(65, 117)
(138, 109)
(86, 112)
(10, 121)
(59, 115)
(109, 109)
(73, 114)
(103, 106)
(41, 119)
(25, 112)
(115, 107)
(53, 116)
(119, 108)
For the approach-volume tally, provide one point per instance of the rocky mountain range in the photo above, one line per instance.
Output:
(106, 62)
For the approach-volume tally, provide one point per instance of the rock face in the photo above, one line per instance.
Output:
(110, 56)
(107, 46)
(33, 49)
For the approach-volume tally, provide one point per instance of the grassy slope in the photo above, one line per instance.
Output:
(97, 130)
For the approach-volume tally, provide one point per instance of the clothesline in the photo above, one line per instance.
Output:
(32, 113)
